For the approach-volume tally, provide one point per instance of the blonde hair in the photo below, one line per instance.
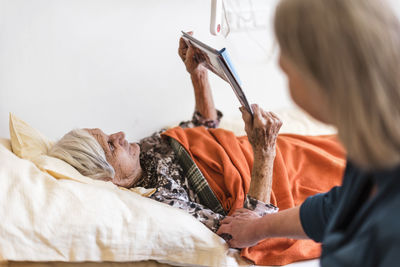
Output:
(81, 150)
(351, 49)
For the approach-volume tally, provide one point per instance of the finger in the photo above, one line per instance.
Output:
(279, 121)
(257, 110)
(265, 113)
(227, 220)
(273, 122)
(237, 214)
(274, 115)
(248, 120)
(241, 215)
(270, 117)
(261, 109)
(259, 120)
(242, 210)
(182, 44)
(255, 106)
(182, 48)
(245, 215)
(190, 54)
(190, 33)
(223, 229)
(246, 115)
(266, 116)
(199, 55)
(239, 211)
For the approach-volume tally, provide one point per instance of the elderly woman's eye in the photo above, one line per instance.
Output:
(111, 146)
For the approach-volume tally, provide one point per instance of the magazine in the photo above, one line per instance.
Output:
(218, 61)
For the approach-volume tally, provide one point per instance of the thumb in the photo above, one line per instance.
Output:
(246, 117)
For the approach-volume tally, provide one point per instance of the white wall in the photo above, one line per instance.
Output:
(113, 64)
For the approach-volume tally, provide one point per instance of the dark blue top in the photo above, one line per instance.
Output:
(356, 230)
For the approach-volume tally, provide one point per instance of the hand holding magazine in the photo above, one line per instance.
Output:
(219, 62)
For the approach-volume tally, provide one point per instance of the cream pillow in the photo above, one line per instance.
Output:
(44, 219)
(28, 143)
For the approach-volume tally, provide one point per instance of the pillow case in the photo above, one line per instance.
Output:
(45, 219)
(26, 141)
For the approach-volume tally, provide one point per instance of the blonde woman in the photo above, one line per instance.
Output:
(342, 61)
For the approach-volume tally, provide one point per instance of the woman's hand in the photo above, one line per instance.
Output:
(262, 130)
(240, 229)
(245, 228)
(192, 58)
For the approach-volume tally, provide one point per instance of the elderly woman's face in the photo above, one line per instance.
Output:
(123, 157)
(304, 92)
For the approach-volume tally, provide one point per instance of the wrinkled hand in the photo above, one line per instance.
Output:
(262, 130)
(191, 56)
(239, 230)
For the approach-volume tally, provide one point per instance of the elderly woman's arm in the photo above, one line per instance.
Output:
(262, 131)
(199, 75)
(203, 96)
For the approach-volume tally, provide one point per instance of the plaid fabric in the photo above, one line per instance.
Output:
(197, 180)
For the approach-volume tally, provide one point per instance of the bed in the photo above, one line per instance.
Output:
(53, 216)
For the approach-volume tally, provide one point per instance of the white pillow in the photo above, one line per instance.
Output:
(45, 219)
(26, 141)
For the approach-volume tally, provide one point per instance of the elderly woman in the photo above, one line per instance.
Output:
(153, 163)
(205, 171)
(342, 61)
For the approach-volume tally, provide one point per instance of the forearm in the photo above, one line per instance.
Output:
(203, 96)
(261, 178)
(282, 224)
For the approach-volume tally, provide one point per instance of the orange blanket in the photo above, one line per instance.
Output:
(304, 166)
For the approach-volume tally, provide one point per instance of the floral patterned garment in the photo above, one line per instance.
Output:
(163, 171)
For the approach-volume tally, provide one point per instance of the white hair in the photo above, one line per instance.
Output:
(82, 151)
(351, 49)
